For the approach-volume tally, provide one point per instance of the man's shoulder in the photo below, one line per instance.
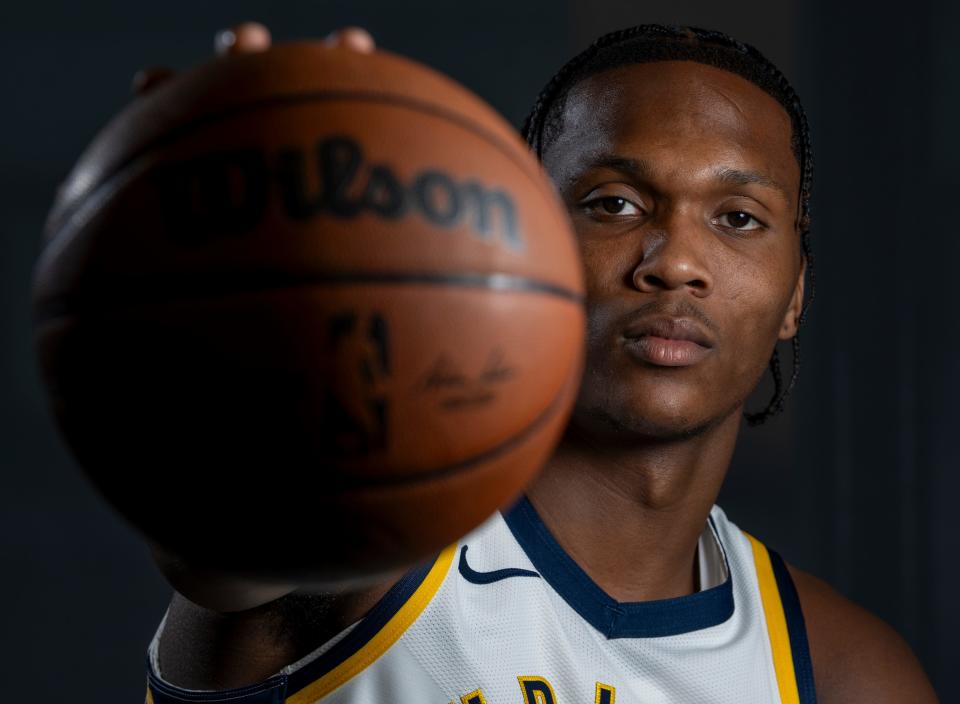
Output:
(856, 656)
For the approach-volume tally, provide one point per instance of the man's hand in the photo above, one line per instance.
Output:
(250, 38)
(215, 590)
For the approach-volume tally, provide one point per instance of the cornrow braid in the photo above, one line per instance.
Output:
(652, 42)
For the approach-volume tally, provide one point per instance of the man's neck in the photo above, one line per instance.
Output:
(631, 514)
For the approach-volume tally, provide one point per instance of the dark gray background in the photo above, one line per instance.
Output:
(855, 482)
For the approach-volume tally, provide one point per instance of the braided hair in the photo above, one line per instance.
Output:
(651, 42)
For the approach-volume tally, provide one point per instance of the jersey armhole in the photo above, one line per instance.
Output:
(383, 626)
(373, 636)
(785, 626)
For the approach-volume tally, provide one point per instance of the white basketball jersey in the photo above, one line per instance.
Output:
(507, 617)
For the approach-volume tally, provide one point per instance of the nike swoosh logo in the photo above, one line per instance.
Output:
(474, 577)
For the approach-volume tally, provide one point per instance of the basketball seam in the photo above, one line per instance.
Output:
(209, 286)
(181, 130)
(412, 479)
(409, 479)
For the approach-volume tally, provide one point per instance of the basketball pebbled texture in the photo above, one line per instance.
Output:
(309, 313)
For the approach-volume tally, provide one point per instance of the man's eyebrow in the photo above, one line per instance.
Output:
(738, 177)
(635, 168)
(639, 170)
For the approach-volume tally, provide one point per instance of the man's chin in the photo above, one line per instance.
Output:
(629, 426)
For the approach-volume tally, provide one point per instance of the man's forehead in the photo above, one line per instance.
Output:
(623, 109)
(683, 84)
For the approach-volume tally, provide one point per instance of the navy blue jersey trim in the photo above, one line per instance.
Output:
(474, 577)
(271, 691)
(614, 619)
(796, 628)
(372, 623)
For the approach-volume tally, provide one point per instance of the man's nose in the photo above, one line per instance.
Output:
(674, 256)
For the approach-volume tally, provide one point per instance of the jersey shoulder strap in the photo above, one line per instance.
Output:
(785, 626)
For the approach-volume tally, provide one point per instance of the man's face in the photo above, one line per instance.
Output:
(683, 190)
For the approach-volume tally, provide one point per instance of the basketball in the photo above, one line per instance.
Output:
(309, 313)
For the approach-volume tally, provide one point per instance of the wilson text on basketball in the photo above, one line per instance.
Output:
(228, 193)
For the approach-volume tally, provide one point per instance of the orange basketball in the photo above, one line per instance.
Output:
(309, 312)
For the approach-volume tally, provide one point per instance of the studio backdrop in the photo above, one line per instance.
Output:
(856, 481)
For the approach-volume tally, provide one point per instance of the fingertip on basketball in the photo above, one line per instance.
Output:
(147, 79)
(354, 38)
(243, 38)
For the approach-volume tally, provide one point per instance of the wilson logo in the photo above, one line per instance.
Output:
(227, 193)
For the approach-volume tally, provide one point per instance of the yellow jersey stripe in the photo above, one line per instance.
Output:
(776, 624)
(386, 637)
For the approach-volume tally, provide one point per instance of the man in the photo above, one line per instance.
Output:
(683, 159)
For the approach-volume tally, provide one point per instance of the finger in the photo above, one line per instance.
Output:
(245, 38)
(147, 79)
(353, 38)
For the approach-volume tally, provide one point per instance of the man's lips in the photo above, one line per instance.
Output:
(668, 342)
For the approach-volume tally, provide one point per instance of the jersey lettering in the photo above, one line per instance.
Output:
(605, 694)
(474, 697)
(536, 690)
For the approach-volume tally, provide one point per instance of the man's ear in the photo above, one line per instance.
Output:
(791, 319)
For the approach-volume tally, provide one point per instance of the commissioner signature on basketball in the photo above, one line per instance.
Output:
(457, 389)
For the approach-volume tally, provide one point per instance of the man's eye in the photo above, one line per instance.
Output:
(738, 220)
(611, 205)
